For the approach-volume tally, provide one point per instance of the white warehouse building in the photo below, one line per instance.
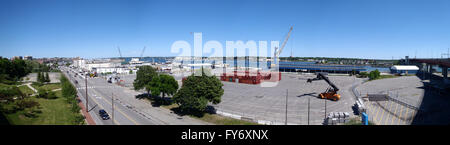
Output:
(111, 70)
(406, 69)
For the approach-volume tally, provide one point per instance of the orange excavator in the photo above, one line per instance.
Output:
(330, 93)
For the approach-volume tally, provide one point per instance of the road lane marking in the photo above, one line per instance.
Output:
(81, 94)
(407, 120)
(382, 114)
(401, 113)
(378, 110)
(118, 109)
(372, 114)
(390, 106)
(413, 116)
(369, 113)
(101, 107)
(395, 113)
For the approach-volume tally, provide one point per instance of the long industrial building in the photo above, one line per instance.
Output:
(312, 67)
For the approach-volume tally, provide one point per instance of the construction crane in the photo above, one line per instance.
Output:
(142, 53)
(277, 53)
(330, 93)
(120, 53)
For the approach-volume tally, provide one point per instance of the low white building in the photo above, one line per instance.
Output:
(407, 69)
(119, 70)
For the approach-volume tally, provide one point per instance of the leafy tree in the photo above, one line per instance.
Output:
(8, 92)
(197, 91)
(19, 68)
(42, 93)
(67, 89)
(144, 76)
(374, 74)
(48, 94)
(47, 78)
(169, 85)
(363, 75)
(39, 77)
(130, 72)
(165, 84)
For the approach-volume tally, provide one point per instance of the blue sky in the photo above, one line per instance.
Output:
(327, 28)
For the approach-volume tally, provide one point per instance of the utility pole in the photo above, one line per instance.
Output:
(285, 121)
(112, 102)
(87, 108)
(309, 99)
(325, 107)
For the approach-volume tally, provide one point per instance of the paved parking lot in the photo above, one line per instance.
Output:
(269, 104)
(390, 113)
(403, 90)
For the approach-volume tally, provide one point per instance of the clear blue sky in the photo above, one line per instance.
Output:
(329, 28)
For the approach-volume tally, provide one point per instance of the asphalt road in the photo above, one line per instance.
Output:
(127, 109)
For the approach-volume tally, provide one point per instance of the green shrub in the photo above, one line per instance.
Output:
(25, 103)
(374, 75)
(39, 84)
(363, 75)
(79, 119)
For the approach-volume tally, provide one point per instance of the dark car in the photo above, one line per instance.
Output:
(103, 114)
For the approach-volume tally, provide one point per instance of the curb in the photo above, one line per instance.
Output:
(86, 115)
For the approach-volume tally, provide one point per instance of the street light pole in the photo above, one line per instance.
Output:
(112, 102)
(325, 107)
(87, 108)
(309, 99)
(285, 121)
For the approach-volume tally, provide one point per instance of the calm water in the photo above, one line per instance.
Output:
(262, 64)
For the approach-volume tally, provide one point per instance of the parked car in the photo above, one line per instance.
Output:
(103, 114)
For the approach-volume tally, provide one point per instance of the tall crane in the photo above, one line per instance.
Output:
(120, 53)
(142, 53)
(330, 93)
(277, 53)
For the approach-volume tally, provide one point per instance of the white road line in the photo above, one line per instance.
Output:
(395, 112)
(390, 106)
(400, 117)
(118, 109)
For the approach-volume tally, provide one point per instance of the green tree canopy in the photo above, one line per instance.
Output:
(47, 78)
(8, 92)
(165, 84)
(67, 89)
(197, 91)
(374, 74)
(144, 76)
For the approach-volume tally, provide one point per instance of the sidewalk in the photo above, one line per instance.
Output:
(29, 86)
(86, 115)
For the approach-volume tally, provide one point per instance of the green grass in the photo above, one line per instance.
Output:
(215, 118)
(356, 121)
(207, 117)
(53, 112)
(222, 120)
(48, 86)
(387, 76)
(25, 90)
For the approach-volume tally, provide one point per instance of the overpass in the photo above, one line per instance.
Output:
(428, 63)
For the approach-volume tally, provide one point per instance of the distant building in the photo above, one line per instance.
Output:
(16, 57)
(406, 69)
(28, 57)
